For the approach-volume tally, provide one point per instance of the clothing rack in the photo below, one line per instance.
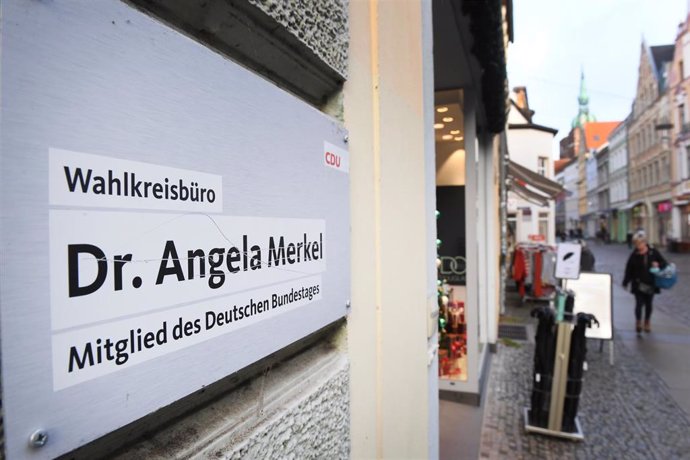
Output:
(533, 270)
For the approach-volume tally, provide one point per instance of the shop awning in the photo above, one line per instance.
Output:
(630, 205)
(530, 178)
(527, 194)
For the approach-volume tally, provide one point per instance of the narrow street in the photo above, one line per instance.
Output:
(666, 348)
(639, 408)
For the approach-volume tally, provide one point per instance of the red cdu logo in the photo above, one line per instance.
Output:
(336, 157)
(332, 159)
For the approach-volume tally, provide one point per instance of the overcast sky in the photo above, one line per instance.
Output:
(554, 39)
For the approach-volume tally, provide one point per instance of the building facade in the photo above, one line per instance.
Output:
(650, 156)
(530, 145)
(603, 191)
(618, 182)
(591, 217)
(570, 179)
(679, 83)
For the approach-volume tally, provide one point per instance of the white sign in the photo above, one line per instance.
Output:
(94, 351)
(107, 265)
(80, 179)
(169, 219)
(568, 261)
(593, 294)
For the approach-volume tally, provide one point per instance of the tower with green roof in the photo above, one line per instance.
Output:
(583, 115)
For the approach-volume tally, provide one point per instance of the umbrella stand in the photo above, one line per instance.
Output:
(567, 353)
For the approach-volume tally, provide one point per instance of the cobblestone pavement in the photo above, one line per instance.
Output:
(626, 411)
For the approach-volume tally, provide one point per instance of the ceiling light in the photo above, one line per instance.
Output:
(455, 131)
(447, 119)
(442, 109)
(458, 138)
(447, 137)
(438, 125)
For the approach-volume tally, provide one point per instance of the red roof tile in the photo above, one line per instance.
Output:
(597, 132)
(560, 165)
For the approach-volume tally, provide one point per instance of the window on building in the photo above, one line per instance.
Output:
(633, 178)
(542, 165)
(681, 116)
(665, 170)
(544, 224)
(655, 173)
(680, 70)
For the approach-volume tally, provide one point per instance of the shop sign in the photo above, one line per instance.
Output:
(568, 261)
(169, 219)
(536, 238)
(665, 206)
(450, 230)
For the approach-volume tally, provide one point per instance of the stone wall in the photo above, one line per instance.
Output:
(322, 25)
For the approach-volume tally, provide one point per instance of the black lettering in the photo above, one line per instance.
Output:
(158, 190)
(170, 252)
(255, 263)
(74, 357)
(78, 176)
(191, 255)
(216, 277)
(276, 256)
(233, 256)
(119, 262)
(135, 186)
(114, 181)
(99, 185)
(291, 253)
(147, 186)
(73, 253)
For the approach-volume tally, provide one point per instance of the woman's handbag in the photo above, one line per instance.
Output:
(666, 278)
(644, 288)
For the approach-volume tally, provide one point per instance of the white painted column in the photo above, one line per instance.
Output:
(676, 223)
(430, 187)
(386, 112)
(472, 239)
(482, 204)
(493, 247)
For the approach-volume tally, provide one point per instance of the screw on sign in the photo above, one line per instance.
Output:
(38, 438)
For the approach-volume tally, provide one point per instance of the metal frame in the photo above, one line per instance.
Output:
(576, 436)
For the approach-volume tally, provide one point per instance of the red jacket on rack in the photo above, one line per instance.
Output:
(520, 270)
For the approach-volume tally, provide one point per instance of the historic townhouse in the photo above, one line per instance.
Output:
(618, 182)
(650, 155)
(679, 82)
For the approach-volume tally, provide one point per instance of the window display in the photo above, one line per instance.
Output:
(452, 336)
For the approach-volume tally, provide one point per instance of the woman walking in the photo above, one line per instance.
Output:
(637, 272)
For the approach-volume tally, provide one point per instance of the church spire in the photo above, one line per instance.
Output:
(583, 115)
(583, 99)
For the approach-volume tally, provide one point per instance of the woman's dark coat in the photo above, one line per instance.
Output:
(637, 269)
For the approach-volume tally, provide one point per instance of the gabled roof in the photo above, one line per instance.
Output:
(597, 133)
(526, 114)
(560, 165)
(658, 56)
(661, 54)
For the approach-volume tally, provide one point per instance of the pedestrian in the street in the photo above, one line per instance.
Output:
(629, 239)
(587, 259)
(637, 273)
